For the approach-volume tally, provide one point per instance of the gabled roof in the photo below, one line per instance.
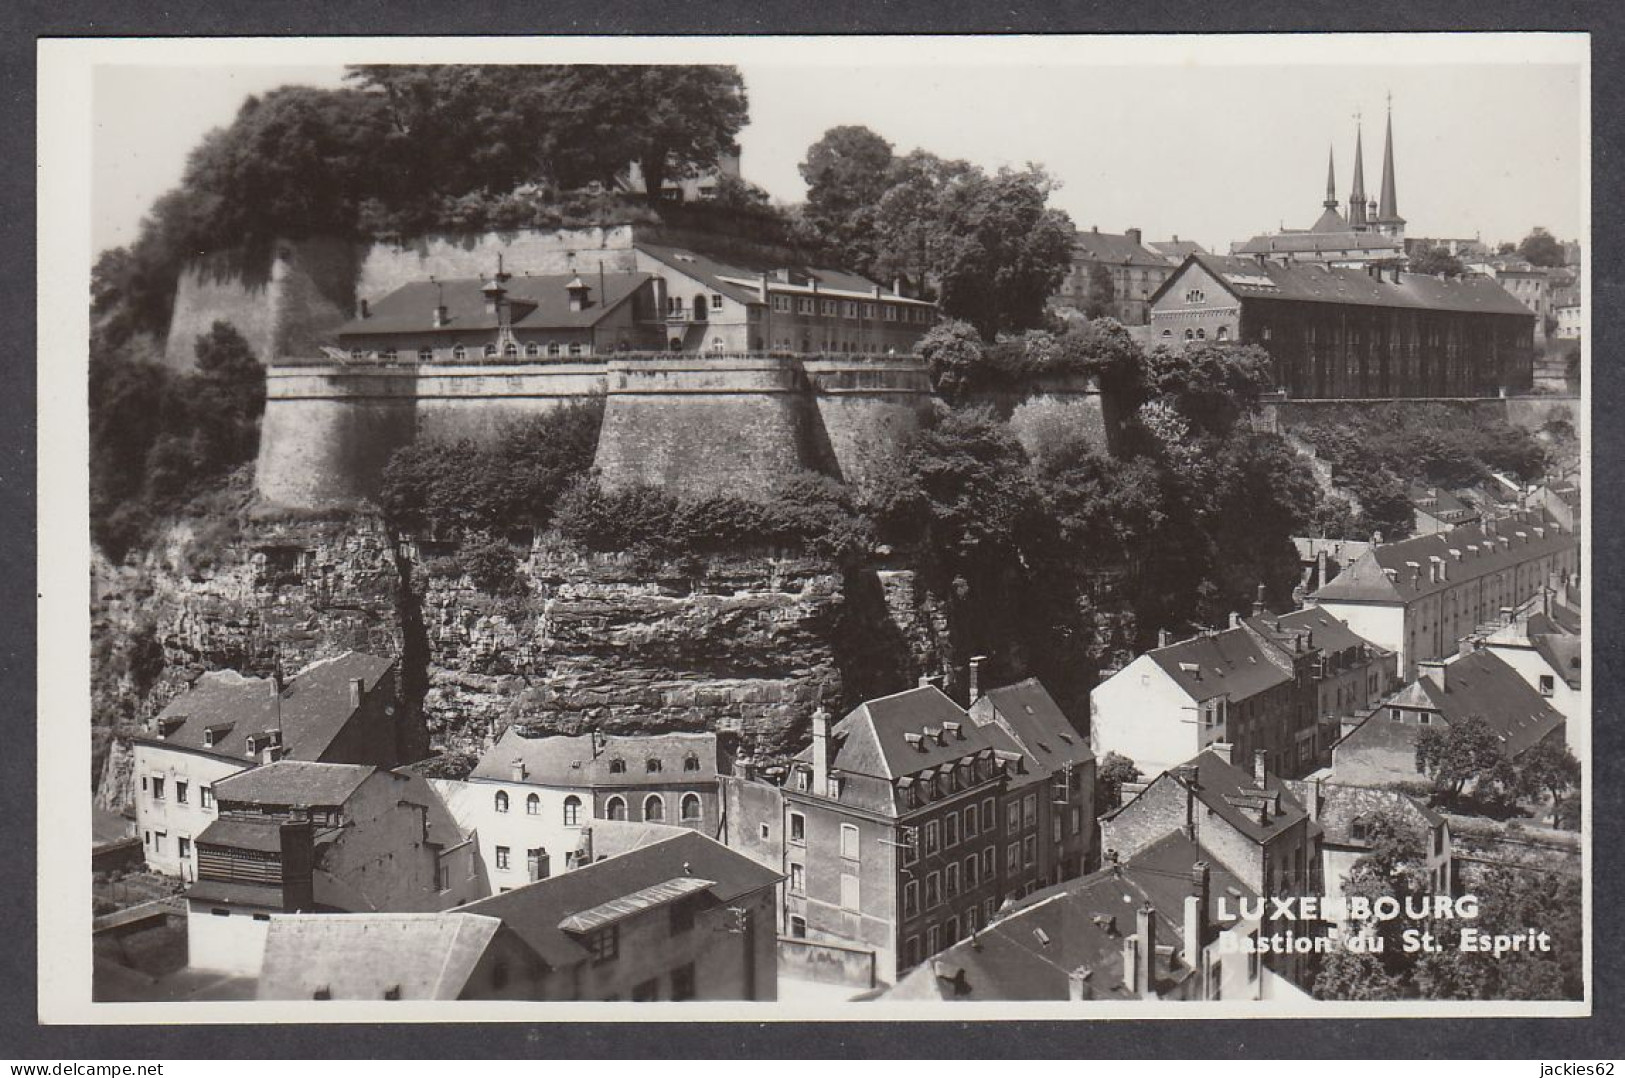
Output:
(1482, 684)
(1175, 250)
(1078, 927)
(537, 912)
(1115, 248)
(366, 955)
(740, 279)
(1480, 545)
(1440, 503)
(1330, 634)
(1564, 653)
(1231, 662)
(906, 733)
(262, 835)
(570, 761)
(1231, 793)
(1250, 278)
(1032, 718)
(313, 709)
(1329, 221)
(541, 302)
(294, 782)
(1341, 805)
(1324, 237)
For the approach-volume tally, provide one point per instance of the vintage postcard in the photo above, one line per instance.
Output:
(857, 528)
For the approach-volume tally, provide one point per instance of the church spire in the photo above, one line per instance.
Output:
(1331, 179)
(1388, 208)
(1357, 200)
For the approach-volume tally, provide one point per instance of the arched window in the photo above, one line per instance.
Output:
(575, 348)
(691, 807)
(533, 805)
(717, 345)
(674, 345)
(459, 353)
(490, 351)
(1201, 334)
(532, 350)
(355, 353)
(1167, 333)
(502, 800)
(1224, 333)
(572, 811)
(653, 764)
(654, 807)
(615, 809)
(699, 308)
(1190, 335)
(425, 355)
(510, 351)
(691, 762)
(388, 355)
(617, 766)
(553, 350)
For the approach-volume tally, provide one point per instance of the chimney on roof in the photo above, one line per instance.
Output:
(1260, 768)
(358, 692)
(1095, 229)
(1258, 602)
(519, 770)
(1196, 915)
(365, 309)
(1224, 750)
(1144, 964)
(1164, 638)
(975, 690)
(1235, 620)
(1433, 670)
(1314, 800)
(1134, 236)
(896, 286)
(820, 749)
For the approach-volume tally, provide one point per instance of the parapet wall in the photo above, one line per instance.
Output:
(329, 430)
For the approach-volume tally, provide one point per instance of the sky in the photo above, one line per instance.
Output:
(1211, 150)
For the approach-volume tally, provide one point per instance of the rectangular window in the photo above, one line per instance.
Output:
(157, 788)
(950, 830)
(1029, 849)
(970, 921)
(932, 837)
(891, 313)
(183, 846)
(502, 857)
(950, 880)
(989, 815)
(988, 908)
(798, 926)
(538, 864)
(911, 845)
(830, 309)
(798, 879)
(868, 310)
(933, 940)
(1077, 819)
(716, 303)
(1395, 715)
(990, 862)
(605, 944)
(158, 841)
(970, 822)
(971, 865)
(911, 898)
(1215, 978)
(1055, 825)
(798, 828)
(849, 892)
(933, 890)
(683, 983)
(951, 931)
(849, 842)
(1012, 858)
(206, 795)
(1012, 817)
(1029, 810)
(1547, 685)
(911, 951)
(804, 305)
(180, 792)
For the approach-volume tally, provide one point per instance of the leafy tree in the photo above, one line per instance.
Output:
(909, 227)
(1434, 260)
(1213, 386)
(1461, 753)
(673, 120)
(491, 565)
(1394, 867)
(1110, 776)
(1102, 298)
(1541, 248)
(1549, 768)
(847, 172)
(956, 354)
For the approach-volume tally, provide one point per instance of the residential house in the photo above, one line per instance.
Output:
(1250, 822)
(294, 836)
(1549, 658)
(1346, 816)
(378, 956)
(1419, 597)
(909, 823)
(1135, 270)
(529, 798)
(340, 710)
(1375, 332)
(1435, 509)
(1145, 928)
(1176, 249)
(1479, 684)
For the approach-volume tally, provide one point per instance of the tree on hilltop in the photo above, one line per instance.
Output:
(1434, 260)
(847, 172)
(1541, 248)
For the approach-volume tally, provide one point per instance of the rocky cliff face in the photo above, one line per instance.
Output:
(746, 644)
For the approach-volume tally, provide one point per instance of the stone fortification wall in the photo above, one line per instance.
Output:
(866, 406)
(707, 424)
(329, 430)
(386, 266)
(286, 304)
(1053, 408)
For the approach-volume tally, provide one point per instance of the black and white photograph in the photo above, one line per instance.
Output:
(776, 528)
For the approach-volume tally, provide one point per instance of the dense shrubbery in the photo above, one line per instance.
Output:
(962, 363)
(809, 513)
(159, 439)
(1428, 444)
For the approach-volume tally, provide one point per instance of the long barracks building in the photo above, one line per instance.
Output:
(1375, 332)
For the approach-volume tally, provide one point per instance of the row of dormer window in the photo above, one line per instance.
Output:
(851, 308)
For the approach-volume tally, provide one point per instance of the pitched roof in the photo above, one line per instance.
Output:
(1030, 715)
(541, 302)
(1233, 795)
(1328, 633)
(1232, 661)
(294, 782)
(1341, 805)
(1440, 504)
(1112, 247)
(1480, 545)
(1032, 952)
(1329, 221)
(1323, 238)
(263, 835)
(906, 733)
(1175, 250)
(366, 955)
(313, 708)
(1563, 652)
(537, 912)
(571, 761)
(740, 278)
(1482, 684)
(1250, 278)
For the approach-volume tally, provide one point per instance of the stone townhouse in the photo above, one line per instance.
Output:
(677, 918)
(530, 799)
(1136, 271)
(1419, 597)
(295, 836)
(1346, 816)
(340, 710)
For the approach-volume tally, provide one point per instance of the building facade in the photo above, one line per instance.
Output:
(341, 710)
(1346, 816)
(1135, 270)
